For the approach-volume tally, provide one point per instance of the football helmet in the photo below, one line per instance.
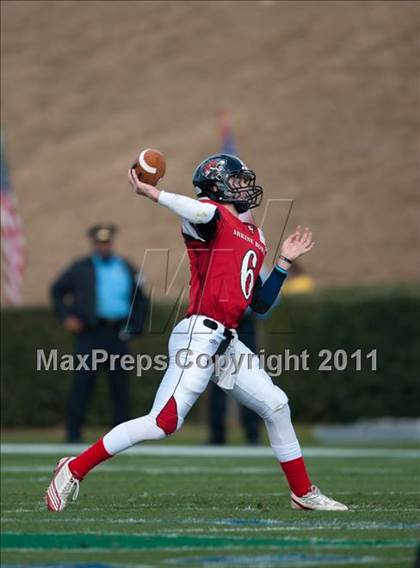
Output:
(226, 179)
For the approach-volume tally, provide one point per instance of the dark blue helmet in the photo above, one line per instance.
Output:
(226, 179)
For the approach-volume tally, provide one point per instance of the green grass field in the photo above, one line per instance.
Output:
(194, 511)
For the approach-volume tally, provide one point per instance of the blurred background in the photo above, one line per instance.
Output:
(323, 99)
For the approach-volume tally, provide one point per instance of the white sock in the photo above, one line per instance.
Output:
(129, 433)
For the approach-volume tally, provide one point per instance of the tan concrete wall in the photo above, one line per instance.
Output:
(324, 97)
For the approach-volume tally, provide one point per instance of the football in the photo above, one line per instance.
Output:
(150, 166)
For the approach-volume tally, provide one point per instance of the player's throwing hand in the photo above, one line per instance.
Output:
(142, 188)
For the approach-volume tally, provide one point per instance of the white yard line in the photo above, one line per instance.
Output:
(181, 470)
(210, 451)
(149, 470)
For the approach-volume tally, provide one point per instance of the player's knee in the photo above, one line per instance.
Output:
(168, 419)
(278, 405)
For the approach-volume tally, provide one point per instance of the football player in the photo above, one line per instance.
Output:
(226, 251)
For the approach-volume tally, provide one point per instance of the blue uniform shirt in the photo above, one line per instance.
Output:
(113, 287)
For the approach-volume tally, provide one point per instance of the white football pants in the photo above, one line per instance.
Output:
(190, 346)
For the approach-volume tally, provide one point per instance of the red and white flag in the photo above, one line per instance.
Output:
(12, 242)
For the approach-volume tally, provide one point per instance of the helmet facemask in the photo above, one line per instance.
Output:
(241, 190)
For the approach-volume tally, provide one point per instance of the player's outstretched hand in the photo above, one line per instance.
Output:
(142, 188)
(298, 243)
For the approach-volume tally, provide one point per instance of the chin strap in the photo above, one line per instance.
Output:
(241, 206)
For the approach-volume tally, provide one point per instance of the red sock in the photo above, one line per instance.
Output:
(87, 460)
(297, 476)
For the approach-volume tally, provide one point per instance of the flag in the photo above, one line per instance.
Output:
(12, 259)
(228, 142)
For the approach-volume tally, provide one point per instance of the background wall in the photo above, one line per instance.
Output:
(324, 98)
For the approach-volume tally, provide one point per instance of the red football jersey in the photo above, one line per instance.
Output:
(224, 270)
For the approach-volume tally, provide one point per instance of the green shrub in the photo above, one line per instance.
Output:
(366, 319)
(351, 319)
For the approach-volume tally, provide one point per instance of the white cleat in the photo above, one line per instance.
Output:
(62, 485)
(314, 500)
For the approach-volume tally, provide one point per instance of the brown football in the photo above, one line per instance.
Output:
(150, 166)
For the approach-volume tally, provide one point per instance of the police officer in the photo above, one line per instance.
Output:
(99, 299)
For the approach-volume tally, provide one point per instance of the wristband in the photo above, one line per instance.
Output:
(285, 259)
(280, 269)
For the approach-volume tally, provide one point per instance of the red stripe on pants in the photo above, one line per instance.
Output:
(167, 419)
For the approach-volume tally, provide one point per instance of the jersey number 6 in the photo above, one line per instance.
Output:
(249, 262)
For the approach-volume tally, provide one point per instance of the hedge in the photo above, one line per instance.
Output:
(383, 319)
(386, 320)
